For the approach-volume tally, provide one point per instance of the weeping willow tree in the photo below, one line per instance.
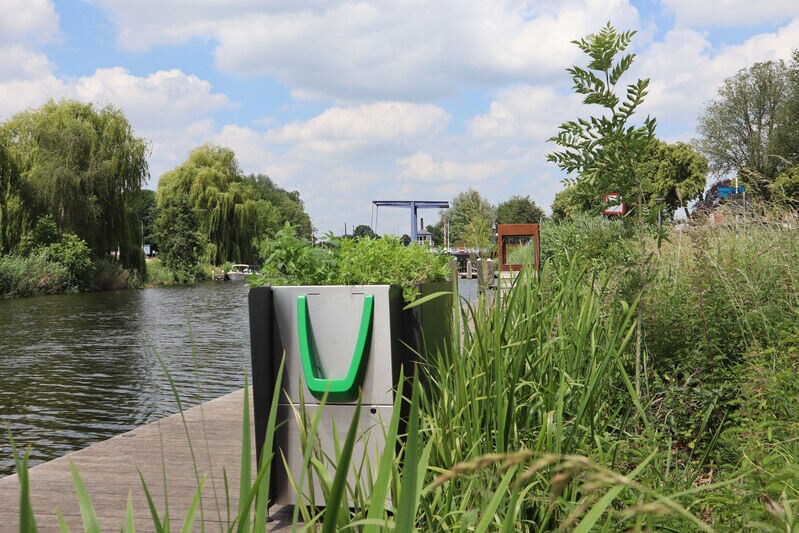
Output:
(81, 165)
(224, 201)
(9, 180)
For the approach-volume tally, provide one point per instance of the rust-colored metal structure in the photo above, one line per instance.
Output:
(511, 237)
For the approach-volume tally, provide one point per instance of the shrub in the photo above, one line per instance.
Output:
(360, 261)
(110, 275)
(31, 276)
(72, 252)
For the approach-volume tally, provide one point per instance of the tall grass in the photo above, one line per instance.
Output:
(528, 420)
(32, 275)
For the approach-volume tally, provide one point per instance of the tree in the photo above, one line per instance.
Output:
(179, 238)
(737, 128)
(80, 165)
(9, 181)
(437, 232)
(785, 144)
(470, 218)
(288, 204)
(362, 230)
(600, 154)
(674, 172)
(145, 209)
(224, 201)
(571, 201)
(603, 152)
(519, 210)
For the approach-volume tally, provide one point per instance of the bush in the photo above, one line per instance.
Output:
(72, 252)
(31, 276)
(360, 261)
(110, 275)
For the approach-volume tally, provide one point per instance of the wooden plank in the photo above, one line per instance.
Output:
(110, 469)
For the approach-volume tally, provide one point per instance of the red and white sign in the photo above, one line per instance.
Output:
(613, 204)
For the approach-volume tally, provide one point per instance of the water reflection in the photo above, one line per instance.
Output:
(78, 369)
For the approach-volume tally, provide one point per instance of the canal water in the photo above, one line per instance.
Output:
(78, 369)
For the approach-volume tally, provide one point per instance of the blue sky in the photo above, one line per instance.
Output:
(349, 102)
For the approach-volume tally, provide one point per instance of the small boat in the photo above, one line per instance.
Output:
(238, 272)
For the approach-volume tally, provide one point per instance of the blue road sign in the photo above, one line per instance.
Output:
(724, 191)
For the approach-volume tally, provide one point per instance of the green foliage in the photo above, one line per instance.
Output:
(388, 260)
(73, 253)
(785, 139)
(224, 202)
(572, 201)
(81, 166)
(31, 276)
(675, 173)
(519, 210)
(144, 209)
(437, 233)
(291, 260)
(288, 207)
(785, 188)
(179, 239)
(602, 152)
(602, 243)
(470, 218)
(362, 230)
(736, 128)
(109, 275)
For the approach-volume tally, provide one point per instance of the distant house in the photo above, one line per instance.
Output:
(424, 237)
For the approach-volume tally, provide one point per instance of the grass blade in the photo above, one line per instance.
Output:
(27, 522)
(377, 500)
(62, 524)
(491, 510)
(406, 507)
(159, 526)
(90, 523)
(595, 513)
(337, 497)
(130, 525)
(246, 462)
(188, 521)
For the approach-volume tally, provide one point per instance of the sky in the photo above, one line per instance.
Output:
(353, 101)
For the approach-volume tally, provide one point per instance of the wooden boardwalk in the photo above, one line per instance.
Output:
(109, 471)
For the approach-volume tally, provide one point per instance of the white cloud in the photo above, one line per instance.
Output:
(731, 12)
(166, 98)
(26, 80)
(524, 112)
(384, 50)
(423, 167)
(352, 129)
(686, 70)
(28, 22)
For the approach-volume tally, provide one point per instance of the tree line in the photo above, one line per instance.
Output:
(72, 175)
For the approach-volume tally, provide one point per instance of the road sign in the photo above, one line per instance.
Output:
(614, 204)
(731, 190)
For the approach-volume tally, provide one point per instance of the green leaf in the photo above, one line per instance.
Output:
(188, 521)
(337, 498)
(27, 522)
(90, 523)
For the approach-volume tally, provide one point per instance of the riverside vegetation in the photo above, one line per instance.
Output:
(529, 420)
